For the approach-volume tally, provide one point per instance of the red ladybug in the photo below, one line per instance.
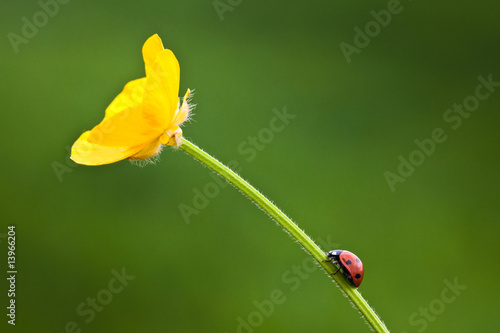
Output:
(349, 265)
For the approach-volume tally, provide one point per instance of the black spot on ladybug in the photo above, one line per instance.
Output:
(348, 262)
(357, 276)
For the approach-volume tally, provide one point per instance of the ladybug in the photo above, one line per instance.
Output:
(349, 265)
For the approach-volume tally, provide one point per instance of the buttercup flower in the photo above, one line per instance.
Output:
(143, 117)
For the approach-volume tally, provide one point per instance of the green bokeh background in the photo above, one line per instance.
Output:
(76, 224)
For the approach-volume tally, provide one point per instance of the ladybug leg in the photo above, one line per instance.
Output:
(330, 259)
(338, 268)
(335, 263)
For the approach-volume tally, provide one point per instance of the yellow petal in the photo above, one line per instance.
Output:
(149, 151)
(150, 50)
(130, 97)
(143, 116)
(125, 129)
(161, 91)
(87, 153)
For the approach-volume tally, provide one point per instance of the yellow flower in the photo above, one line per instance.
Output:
(143, 117)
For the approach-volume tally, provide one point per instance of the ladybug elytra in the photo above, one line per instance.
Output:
(349, 265)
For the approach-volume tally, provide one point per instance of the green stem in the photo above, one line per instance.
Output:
(357, 300)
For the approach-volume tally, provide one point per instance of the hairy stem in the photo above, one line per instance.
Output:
(357, 300)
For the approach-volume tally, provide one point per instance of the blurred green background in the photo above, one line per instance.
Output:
(76, 225)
